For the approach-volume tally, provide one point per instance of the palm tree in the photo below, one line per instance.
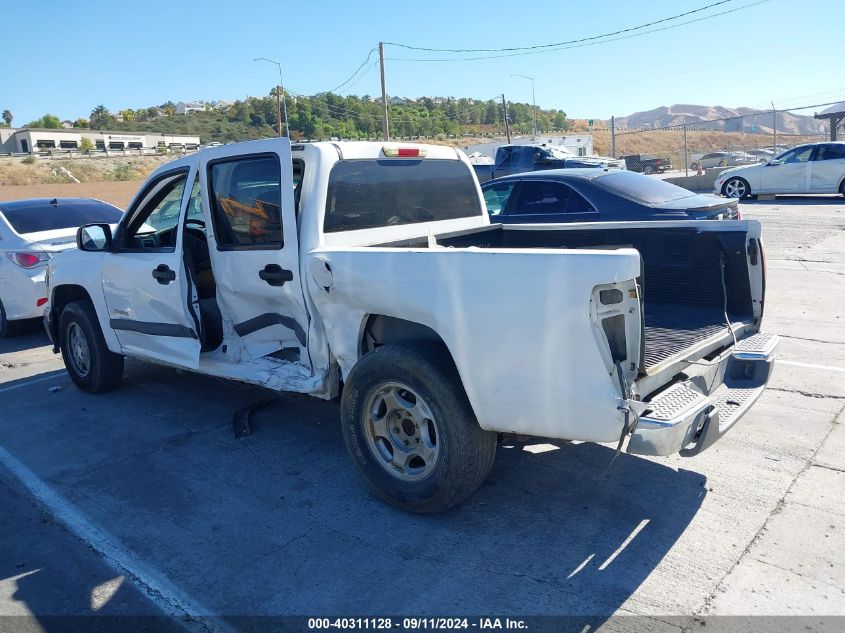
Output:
(7, 117)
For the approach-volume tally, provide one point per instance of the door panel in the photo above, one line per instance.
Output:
(791, 176)
(827, 168)
(144, 281)
(253, 240)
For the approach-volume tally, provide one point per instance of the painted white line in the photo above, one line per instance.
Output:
(32, 382)
(581, 566)
(151, 582)
(625, 543)
(795, 363)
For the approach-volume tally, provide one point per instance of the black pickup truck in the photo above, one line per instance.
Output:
(646, 164)
(515, 159)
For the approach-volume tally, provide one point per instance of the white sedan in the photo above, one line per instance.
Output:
(812, 168)
(32, 231)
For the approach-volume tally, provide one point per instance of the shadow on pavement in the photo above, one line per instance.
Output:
(278, 523)
(32, 335)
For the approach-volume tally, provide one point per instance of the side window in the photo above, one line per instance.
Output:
(539, 197)
(799, 155)
(496, 198)
(831, 152)
(246, 195)
(152, 226)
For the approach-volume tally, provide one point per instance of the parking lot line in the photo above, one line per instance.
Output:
(161, 591)
(795, 363)
(31, 382)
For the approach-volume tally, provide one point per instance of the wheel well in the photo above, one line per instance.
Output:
(63, 295)
(380, 330)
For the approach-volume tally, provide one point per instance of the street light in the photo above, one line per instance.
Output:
(534, 102)
(279, 91)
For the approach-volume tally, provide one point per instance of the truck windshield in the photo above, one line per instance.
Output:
(371, 193)
(643, 188)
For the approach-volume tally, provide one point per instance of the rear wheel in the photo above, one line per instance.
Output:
(411, 431)
(648, 170)
(736, 188)
(90, 364)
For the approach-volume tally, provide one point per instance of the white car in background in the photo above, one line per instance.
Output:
(31, 232)
(811, 168)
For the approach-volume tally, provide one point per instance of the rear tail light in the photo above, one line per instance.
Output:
(28, 260)
(41, 302)
(394, 151)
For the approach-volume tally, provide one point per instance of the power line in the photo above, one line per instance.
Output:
(557, 44)
(579, 45)
(352, 76)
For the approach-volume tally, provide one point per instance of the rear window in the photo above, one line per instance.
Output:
(48, 217)
(370, 193)
(643, 188)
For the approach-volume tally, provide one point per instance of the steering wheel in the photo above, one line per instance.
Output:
(200, 223)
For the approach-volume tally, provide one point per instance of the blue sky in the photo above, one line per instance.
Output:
(66, 58)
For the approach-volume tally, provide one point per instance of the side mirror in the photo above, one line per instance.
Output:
(774, 161)
(94, 237)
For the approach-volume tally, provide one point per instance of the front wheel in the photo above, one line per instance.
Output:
(89, 362)
(736, 188)
(648, 170)
(411, 431)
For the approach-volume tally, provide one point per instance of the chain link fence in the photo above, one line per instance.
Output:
(687, 143)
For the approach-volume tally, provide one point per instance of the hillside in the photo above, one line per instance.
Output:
(328, 115)
(663, 116)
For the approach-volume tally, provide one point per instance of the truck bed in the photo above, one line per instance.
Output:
(681, 282)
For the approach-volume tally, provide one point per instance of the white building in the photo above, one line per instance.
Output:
(183, 107)
(28, 140)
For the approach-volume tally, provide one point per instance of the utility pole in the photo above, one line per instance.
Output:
(613, 136)
(385, 122)
(507, 124)
(534, 103)
(774, 128)
(280, 97)
(686, 155)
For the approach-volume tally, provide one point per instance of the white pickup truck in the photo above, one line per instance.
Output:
(371, 271)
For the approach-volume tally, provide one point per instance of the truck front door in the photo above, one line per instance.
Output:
(248, 194)
(147, 291)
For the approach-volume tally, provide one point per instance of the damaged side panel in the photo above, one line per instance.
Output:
(550, 379)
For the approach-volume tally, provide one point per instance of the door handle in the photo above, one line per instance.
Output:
(164, 274)
(275, 275)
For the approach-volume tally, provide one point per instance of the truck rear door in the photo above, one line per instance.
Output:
(248, 194)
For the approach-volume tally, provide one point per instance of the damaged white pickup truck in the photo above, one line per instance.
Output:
(372, 271)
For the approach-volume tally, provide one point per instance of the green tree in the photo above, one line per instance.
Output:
(560, 120)
(80, 122)
(86, 145)
(128, 114)
(101, 118)
(8, 117)
(48, 121)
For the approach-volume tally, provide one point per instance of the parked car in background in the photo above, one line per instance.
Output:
(722, 159)
(515, 159)
(811, 168)
(646, 164)
(31, 232)
(597, 195)
(761, 155)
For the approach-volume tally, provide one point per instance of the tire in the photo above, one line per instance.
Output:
(736, 188)
(648, 170)
(842, 187)
(410, 396)
(90, 364)
(9, 328)
(694, 166)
